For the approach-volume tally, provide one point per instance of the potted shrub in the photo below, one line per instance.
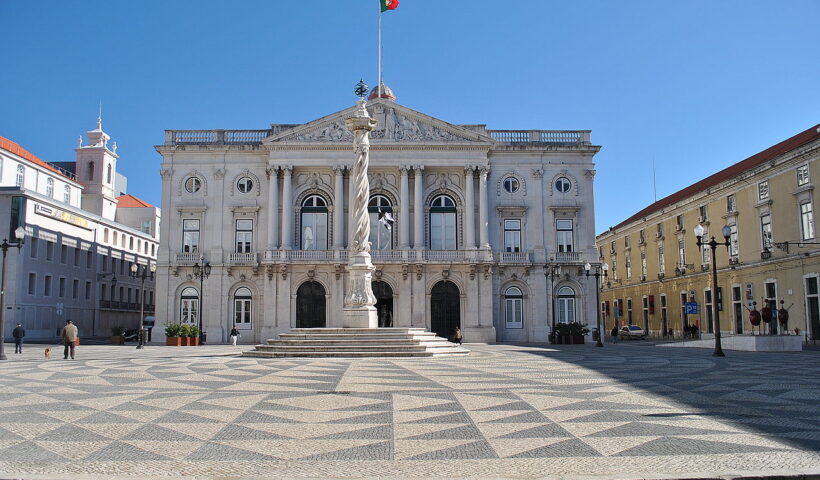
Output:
(193, 336)
(173, 335)
(571, 333)
(116, 335)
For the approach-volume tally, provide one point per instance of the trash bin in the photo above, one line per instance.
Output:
(595, 334)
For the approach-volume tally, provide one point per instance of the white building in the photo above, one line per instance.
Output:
(80, 237)
(479, 214)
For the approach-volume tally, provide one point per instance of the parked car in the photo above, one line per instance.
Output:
(632, 331)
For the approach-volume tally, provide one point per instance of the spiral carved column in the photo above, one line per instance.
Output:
(359, 311)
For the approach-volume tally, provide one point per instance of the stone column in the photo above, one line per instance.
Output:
(418, 209)
(273, 208)
(404, 209)
(359, 311)
(482, 208)
(469, 213)
(287, 208)
(338, 208)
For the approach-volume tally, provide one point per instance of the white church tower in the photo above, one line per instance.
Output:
(96, 170)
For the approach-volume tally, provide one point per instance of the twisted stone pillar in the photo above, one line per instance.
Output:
(359, 311)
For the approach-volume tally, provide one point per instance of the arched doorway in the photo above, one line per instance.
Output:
(310, 305)
(445, 309)
(384, 303)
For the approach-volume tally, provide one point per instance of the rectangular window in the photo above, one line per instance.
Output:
(802, 175)
(88, 290)
(47, 286)
(763, 190)
(628, 268)
(664, 316)
(641, 237)
(661, 260)
(679, 223)
(76, 257)
(612, 247)
(681, 253)
(146, 227)
(244, 235)
(707, 309)
(806, 221)
(737, 308)
(705, 253)
(731, 203)
(102, 292)
(62, 287)
(629, 311)
(645, 315)
(32, 283)
(703, 214)
(766, 231)
(88, 258)
(813, 307)
(63, 254)
(121, 297)
(49, 250)
(626, 241)
(75, 289)
(190, 236)
(771, 302)
(659, 230)
(512, 235)
(734, 250)
(442, 230)
(564, 235)
(643, 265)
(33, 247)
(614, 269)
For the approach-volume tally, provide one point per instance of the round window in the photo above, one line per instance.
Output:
(563, 184)
(193, 184)
(511, 184)
(244, 185)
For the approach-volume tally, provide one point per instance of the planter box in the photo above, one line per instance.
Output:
(193, 341)
(117, 340)
(570, 339)
(174, 341)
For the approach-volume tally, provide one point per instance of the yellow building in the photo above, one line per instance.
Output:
(773, 257)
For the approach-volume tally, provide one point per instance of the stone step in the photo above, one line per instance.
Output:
(353, 354)
(365, 331)
(342, 336)
(356, 341)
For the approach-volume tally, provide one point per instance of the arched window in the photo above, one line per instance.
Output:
(67, 194)
(108, 174)
(514, 308)
(242, 308)
(189, 307)
(443, 223)
(90, 173)
(381, 223)
(50, 187)
(314, 223)
(105, 235)
(21, 176)
(566, 305)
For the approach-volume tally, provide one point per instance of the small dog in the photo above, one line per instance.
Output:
(47, 353)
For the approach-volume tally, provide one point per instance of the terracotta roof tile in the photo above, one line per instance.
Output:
(9, 146)
(785, 146)
(130, 201)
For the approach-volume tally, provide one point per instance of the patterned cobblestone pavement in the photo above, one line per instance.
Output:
(625, 411)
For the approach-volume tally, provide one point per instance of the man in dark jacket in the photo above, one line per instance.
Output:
(18, 333)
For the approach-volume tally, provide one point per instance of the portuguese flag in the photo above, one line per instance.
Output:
(388, 4)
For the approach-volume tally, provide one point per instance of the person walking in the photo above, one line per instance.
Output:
(18, 333)
(614, 334)
(457, 336)
(234, 335)
(69, 336)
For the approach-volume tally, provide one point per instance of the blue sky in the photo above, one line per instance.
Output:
(693, 85)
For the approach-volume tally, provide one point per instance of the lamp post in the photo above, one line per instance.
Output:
(552, 272)
(142, 276)
(202, 272)
(699, 231)
(600, 271)
(20, 233)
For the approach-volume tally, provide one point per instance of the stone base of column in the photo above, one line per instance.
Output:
(359, 311)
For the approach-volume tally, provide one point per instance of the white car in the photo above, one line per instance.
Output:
(632, 331)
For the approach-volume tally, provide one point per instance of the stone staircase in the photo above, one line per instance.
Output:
(356, 342)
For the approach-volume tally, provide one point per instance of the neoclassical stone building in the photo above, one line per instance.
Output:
(479, 215)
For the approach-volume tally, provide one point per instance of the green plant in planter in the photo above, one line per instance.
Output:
(193, 331)
(571, 329)
(173, 330)
(117, 331)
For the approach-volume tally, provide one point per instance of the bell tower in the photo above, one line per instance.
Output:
(96, 168)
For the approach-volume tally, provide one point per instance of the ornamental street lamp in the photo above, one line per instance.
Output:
(600, 271)
(552, 272)
(202, 272)
(727, 232)
(20, 233)
(142, 276)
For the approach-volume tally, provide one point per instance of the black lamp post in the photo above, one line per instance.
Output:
(20, 233)
(600, 271)
(135, 273)
(699, 231)
(202, 272)
(552, 272)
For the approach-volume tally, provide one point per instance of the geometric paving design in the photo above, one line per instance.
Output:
(504, 410)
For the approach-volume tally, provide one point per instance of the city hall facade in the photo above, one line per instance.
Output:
(479, 217)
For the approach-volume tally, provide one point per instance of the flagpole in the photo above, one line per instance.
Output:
(379, 84)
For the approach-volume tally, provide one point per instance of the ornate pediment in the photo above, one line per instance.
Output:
(394, 124)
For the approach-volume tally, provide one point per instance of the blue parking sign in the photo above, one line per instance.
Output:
(691, 308)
